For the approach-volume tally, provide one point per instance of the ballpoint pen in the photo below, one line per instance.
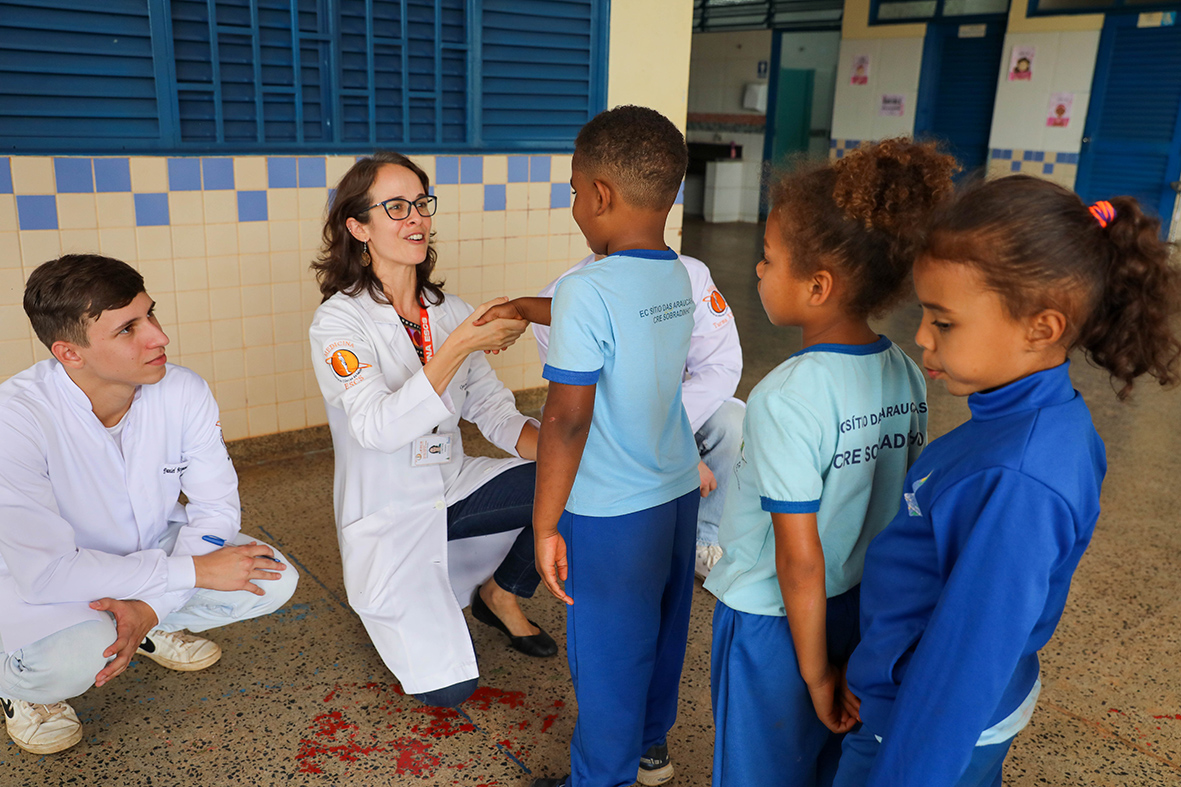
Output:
(221, 542)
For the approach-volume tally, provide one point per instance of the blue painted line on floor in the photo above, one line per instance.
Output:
(303, 569)
(506, 752)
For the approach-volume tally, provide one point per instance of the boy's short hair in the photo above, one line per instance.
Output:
(639, 149)
(64, 295)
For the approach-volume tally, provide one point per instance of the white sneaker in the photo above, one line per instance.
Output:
(707, 557)
(41, 729)
(179, 650)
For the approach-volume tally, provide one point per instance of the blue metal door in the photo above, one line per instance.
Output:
(1132, 139)
(957, 87)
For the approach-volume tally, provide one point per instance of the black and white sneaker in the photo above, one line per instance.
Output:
(655, 766)
(41, 728)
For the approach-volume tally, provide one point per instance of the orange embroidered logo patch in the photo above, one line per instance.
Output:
(345, 363)
(717, 303)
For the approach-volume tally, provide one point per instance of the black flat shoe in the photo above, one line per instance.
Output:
(539, 645)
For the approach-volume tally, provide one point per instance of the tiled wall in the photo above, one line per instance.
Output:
(1058, 167)
(224, 245)
(838, 147)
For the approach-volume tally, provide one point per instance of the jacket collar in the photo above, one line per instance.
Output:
(77, 397)
(1046, 388)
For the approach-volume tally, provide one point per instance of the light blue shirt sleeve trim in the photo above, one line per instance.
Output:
(567, 377)
(789, 506)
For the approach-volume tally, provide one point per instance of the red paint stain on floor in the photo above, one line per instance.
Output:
(366, 724)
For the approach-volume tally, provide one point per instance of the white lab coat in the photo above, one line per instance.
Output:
(81, 520)
(714, 366)
(391, 517)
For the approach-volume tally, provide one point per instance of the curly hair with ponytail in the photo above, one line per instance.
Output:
(339, 267)
(861, 217)
(1038, 246)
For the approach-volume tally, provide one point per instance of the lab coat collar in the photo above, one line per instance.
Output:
(77, 397)
(384, 313)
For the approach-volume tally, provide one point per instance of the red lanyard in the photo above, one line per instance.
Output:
(428, 347)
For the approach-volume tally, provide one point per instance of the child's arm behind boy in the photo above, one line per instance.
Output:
(799, 565)
(565, 424)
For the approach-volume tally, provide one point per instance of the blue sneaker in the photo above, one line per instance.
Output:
(655, 766)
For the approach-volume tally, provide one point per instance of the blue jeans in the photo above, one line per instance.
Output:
(718, 442)
(63, 665)
(504, 503)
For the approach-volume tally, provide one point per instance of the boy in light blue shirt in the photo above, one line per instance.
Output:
(615, 514)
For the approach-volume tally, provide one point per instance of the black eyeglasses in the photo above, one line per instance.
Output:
(399, 209)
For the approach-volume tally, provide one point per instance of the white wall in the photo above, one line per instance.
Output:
(721, 65)
(1064, 63)
(894, 65)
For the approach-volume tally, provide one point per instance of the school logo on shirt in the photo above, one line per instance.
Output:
(912, 503)
(717, 304)
(344, 362)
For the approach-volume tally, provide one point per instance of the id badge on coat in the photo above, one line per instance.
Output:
(431, 449)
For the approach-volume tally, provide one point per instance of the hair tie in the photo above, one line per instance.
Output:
(1104, 212)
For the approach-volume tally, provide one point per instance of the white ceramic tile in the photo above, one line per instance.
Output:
(149, 174)
(32, 175)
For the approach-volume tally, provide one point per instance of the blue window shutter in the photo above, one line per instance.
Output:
(251, 73)
(538, 70)
(403, 72)
(71, 77)
(1134, 121)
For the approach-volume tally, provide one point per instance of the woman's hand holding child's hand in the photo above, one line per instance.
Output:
(828, 699)
(498, 309)
(485, 329)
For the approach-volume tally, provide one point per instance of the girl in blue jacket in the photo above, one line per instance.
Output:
(968, 581)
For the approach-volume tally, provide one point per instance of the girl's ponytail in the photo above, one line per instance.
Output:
(1129, 331)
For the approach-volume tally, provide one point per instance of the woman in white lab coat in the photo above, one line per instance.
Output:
(399, 364)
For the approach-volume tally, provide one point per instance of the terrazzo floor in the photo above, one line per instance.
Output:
(301, 697)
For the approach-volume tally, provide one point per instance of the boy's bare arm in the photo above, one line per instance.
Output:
(565, 423)
(799, 564)
(532, 309)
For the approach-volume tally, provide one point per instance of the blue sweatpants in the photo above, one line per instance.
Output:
(861, 747)
(631, 578)
(766, 732)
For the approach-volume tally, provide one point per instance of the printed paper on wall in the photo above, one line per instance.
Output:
(891, 105)
(860, 70)
(1058, 113)
(1021, 64)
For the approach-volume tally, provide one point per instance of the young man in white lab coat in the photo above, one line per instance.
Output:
(711, 377)
(98, 559)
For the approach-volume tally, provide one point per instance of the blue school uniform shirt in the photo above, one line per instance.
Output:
(968, 582)
(623, 324)
(830, 431)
